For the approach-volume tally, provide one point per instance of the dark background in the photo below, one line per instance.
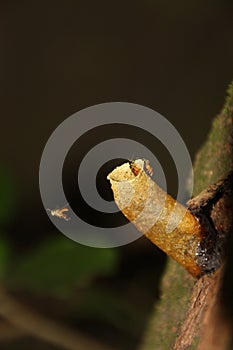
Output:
(59, 57)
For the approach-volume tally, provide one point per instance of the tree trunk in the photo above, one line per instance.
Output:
(198, 314)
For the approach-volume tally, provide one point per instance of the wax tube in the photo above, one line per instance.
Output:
(168, 224)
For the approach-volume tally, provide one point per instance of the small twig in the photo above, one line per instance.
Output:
(9, 332)
(41, 327)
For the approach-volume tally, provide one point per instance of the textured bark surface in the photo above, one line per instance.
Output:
(191, 315)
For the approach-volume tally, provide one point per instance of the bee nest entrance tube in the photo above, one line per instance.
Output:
(168, 224)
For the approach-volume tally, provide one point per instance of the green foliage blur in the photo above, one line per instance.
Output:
(57, 267)
(63, 271)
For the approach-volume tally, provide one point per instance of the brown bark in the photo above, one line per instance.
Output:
(205, 319)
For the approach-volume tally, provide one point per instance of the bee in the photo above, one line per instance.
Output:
(140, 164)
(135, 170)
(148, 167)
(60, 213)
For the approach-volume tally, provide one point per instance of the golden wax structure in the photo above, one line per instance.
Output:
(167, 223)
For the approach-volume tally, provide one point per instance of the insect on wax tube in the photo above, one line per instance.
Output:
(168, 224)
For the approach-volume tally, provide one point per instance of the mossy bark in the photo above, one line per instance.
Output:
(188, 306)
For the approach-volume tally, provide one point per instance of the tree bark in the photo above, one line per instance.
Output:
(194, 314)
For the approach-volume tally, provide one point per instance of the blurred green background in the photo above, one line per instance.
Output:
(59, 57)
